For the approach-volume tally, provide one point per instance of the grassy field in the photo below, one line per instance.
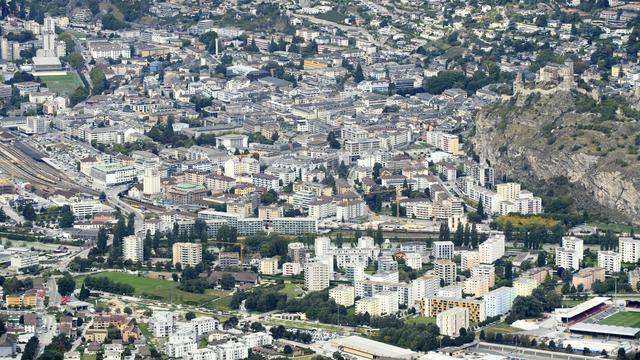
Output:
(420, 320)
(624, 318)
(616, 228)
(502, 328)
(332, 16)
(166, 291)
(62, 84)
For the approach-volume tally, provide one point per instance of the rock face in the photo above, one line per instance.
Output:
(539, 139)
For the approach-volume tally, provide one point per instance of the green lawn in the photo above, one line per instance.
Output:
(62, 84)
(502, 328)
(290, 290)
(623, 318)
(332, 16)
(420, 320)
(166, 291)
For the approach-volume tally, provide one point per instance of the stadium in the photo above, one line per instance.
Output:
(601, 317)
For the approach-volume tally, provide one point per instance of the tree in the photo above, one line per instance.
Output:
(31, 349)
(190, 315)
(98, 80)
(474, 237)
(29, 213)
(227, 281)
(66, 284)
(269, 197)
(131, 224)
(333, 142)
(127, 310)
(358, 75)
(458, 237)
(75, 60)
(79, 95)
(66, 218)
(480, 211)
(101, 244)
(84, 293)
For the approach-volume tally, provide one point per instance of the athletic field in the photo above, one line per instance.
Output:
(62, 84)
(623, 318)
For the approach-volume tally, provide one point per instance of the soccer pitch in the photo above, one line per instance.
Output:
(623, 318)
(62, 84)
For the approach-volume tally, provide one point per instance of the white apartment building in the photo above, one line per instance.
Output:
(443, 249)
(476, 286)
(451, 321)
(204, 325)
(413, 260)
(162, 323)
(132, 248)
(383, 303)
(187, 254)
(499, 301)
(492, 249)
(112, 174)
(567, 259)
(469, 259)
(232, 350)
(257, 339)
(316, 276)
(426, 285)
(348, 210)
(574, 243)
(355, 271)
(291, 269)
(295, 226)
(629, 249)
(24, 259)
(104, 49)
(452, 291)
(181, 343)
(486, 270)
(343, 295)
(321, 245)
(445, 270)
(370, 288)
(269, 266)
(609, 260)
(524, 286)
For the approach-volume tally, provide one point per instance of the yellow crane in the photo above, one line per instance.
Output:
(239, 242)
(398, 192)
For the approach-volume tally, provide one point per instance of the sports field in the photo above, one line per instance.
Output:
(623, 318)
(166, 290)
(62, 84)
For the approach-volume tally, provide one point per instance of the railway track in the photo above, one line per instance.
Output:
(20, 165)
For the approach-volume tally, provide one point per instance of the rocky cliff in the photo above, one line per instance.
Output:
(542, 141)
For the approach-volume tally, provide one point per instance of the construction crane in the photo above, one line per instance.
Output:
(398, 192)
(239, 243)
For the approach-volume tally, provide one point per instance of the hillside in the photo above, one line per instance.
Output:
(578, 154)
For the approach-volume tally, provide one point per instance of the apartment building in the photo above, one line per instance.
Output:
(316, 276)
(629, 249)
(132, 248)
(492, 249)
(443, 249)
(433, 305)
(187, 254)
(587, 276)
(343, 295)
(611, 261)
(451, 321)
(269, 266)
(445, 270)
(499, 301)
